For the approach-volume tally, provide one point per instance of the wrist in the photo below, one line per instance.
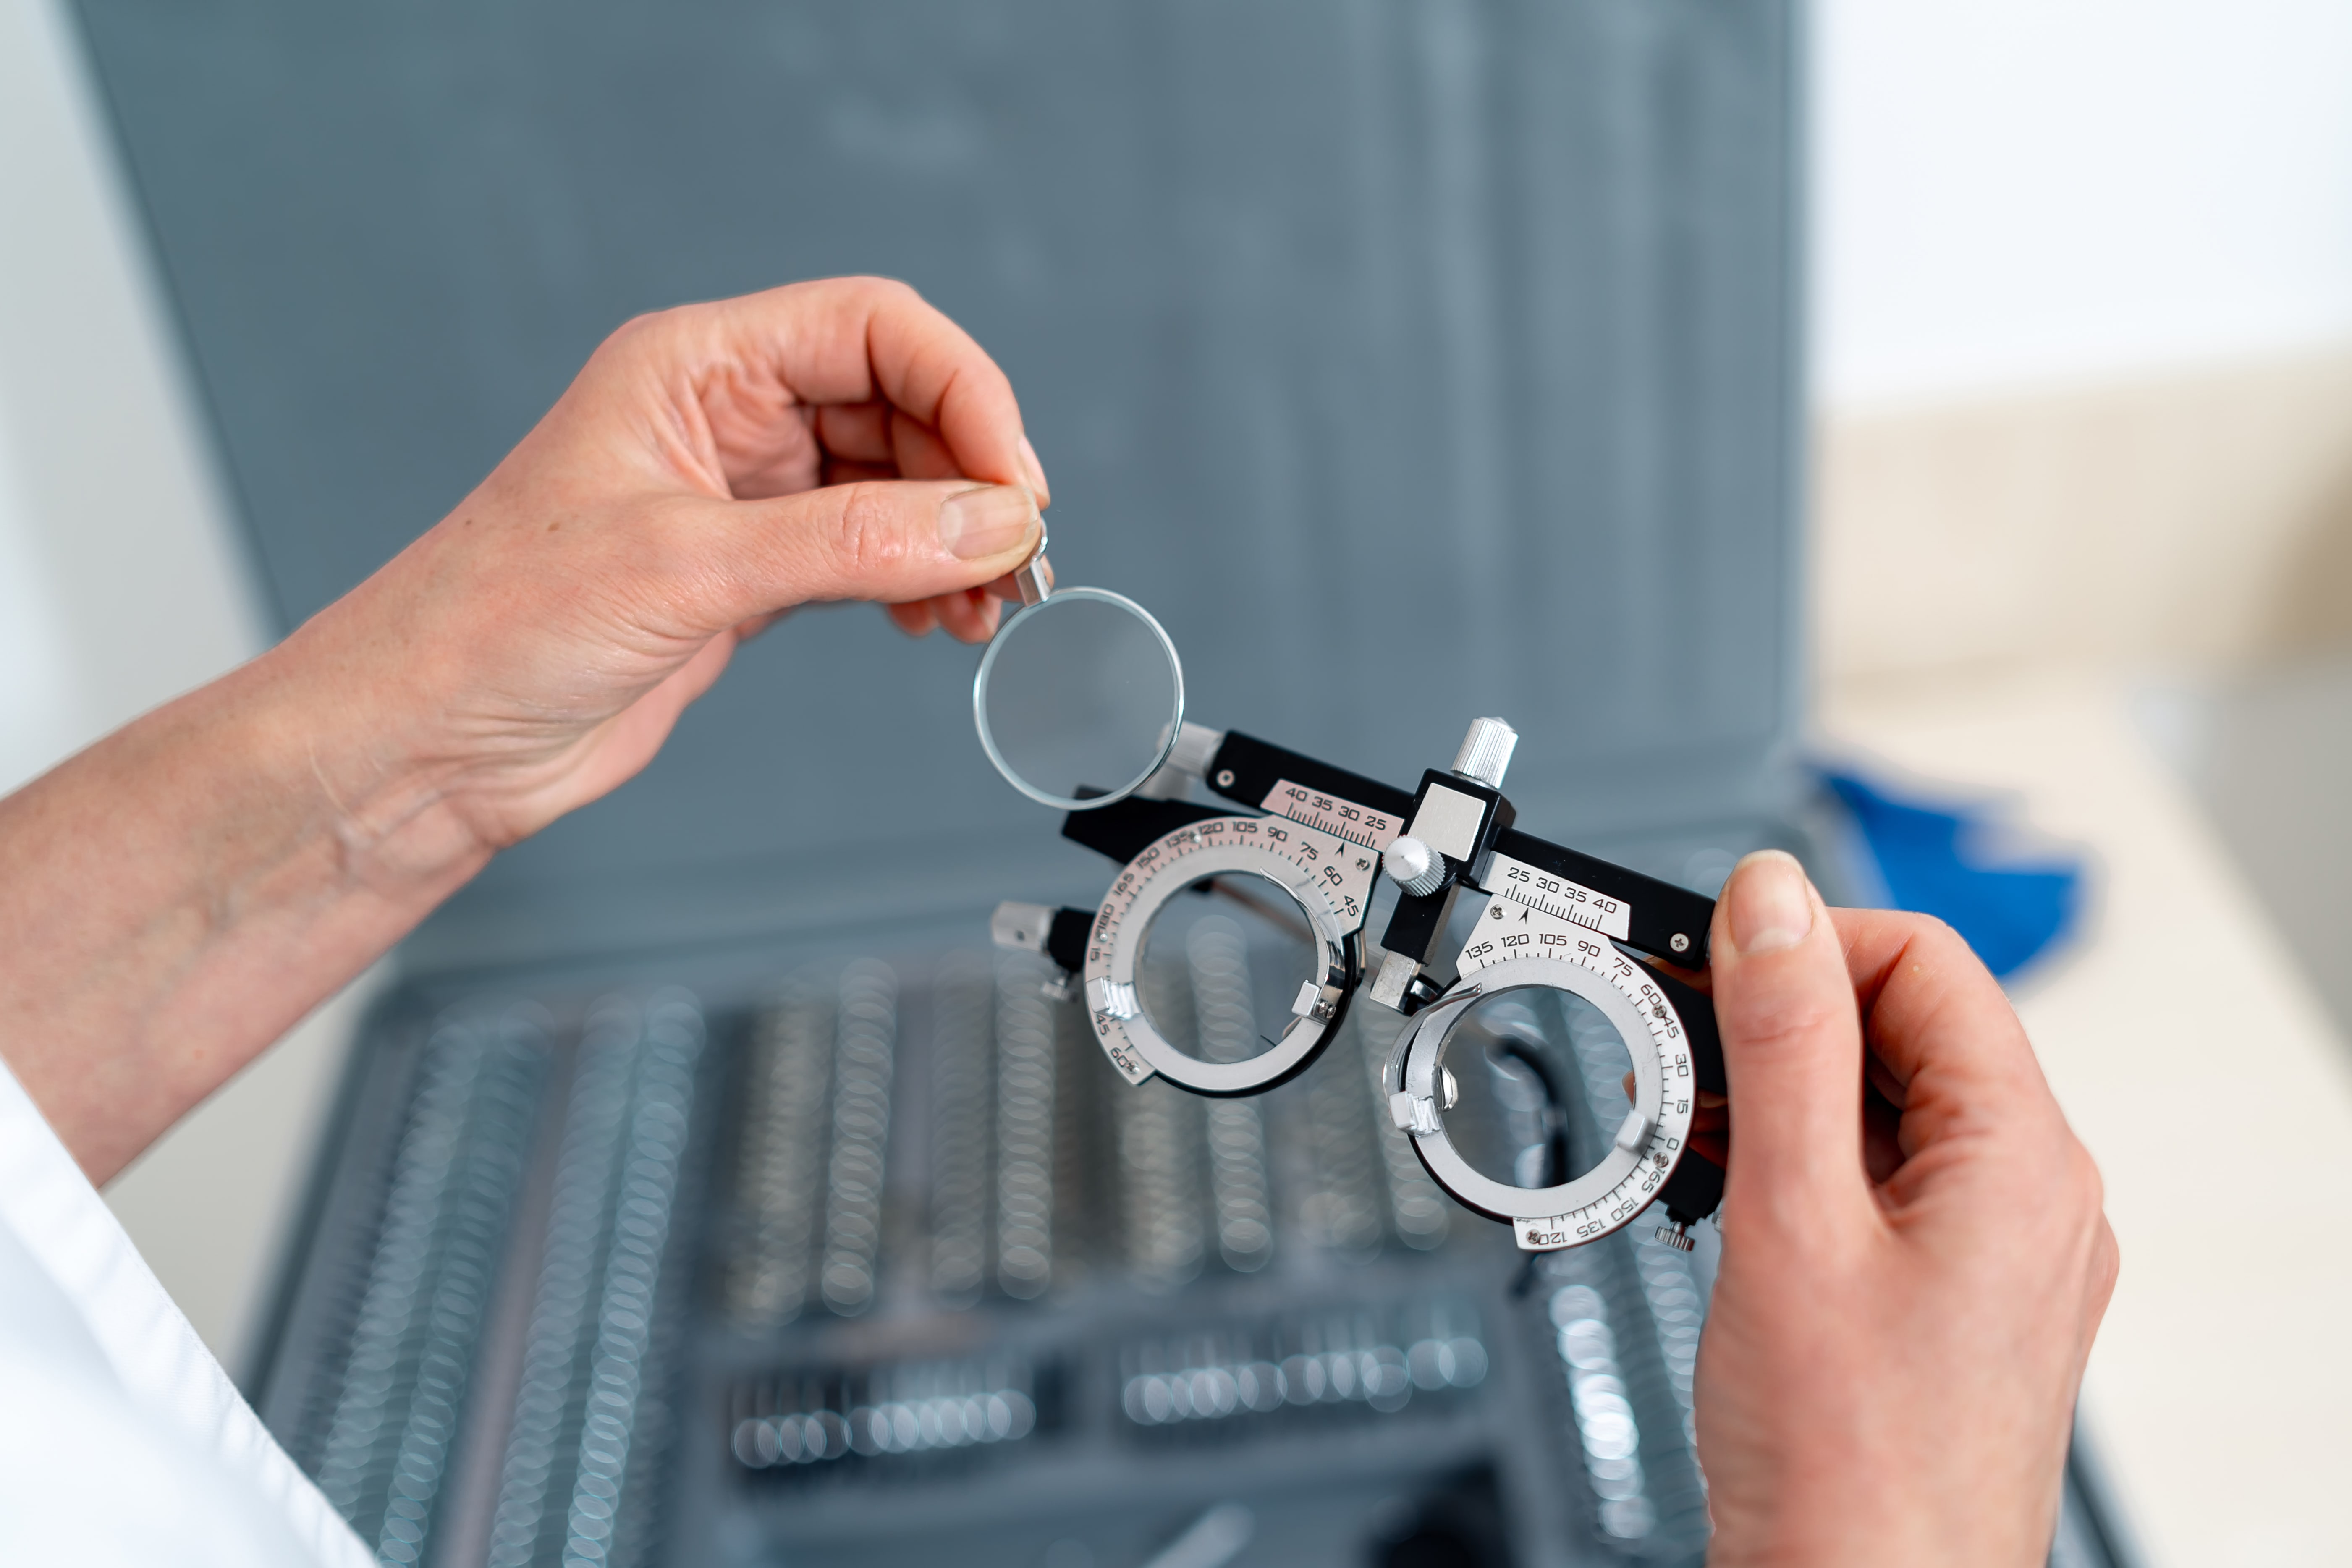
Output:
(361, 764)
(1889, 1516)
(176, 897)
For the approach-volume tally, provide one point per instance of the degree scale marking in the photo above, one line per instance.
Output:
(1306, 863)
(1559, 898)
(1328, 812)
(1548, 926)
(1330, 850)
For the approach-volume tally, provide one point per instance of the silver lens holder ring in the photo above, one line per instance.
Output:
(1315, 870)
(1648, 1144)
(1007, 633)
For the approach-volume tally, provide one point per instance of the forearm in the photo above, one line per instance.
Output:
(175, 899)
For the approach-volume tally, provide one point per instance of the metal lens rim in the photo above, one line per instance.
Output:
(1302, 1040)
(988, 663)
(1420, 1049)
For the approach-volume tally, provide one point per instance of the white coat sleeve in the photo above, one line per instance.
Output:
(121, 1440)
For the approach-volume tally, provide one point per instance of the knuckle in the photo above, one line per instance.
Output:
(639, 328)
(2100, 1266)
(646, 336)
(2090, 1188)
(868, 291)
(1931, 931)
(1773, 1024)
(1926, 939)
(887, 291)
(867, 544)
(2108, 1259)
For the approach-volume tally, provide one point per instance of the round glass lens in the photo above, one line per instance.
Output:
(1221, 965)
(1538, 1085)
(1078, 698)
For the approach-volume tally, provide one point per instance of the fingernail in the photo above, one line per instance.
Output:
(1771, 902)
(1036, 473)
(988, 521)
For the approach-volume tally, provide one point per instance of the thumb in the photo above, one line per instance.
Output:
(891, 540)
(1791, 1045)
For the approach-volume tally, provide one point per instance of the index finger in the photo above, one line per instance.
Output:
(856, 340)
(1939, 1022)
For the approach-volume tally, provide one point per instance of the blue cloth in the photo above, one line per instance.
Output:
(1938, 858)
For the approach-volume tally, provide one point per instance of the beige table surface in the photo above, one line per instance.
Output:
(2195, 1060)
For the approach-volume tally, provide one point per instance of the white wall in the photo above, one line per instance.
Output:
(39, 706)
(2019, 192)
(120, 585)
(119, 581)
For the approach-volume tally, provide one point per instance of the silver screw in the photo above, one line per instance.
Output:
(1679, 943)
(1676, 1236)
(1224, 778)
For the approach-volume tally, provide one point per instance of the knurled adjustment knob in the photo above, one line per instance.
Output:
(1486, 751)
(1413, 866)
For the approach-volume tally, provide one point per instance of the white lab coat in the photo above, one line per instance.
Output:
(122, 1442)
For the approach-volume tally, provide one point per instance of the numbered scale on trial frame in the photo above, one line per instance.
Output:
(1477, 1079)
(1079, 701)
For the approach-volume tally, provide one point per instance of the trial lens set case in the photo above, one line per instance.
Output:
(707, 1189)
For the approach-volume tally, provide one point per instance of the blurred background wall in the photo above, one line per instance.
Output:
(122, 583)
(2083, 331)
(2082, 343)
(2015, 193)
(2083, 362)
